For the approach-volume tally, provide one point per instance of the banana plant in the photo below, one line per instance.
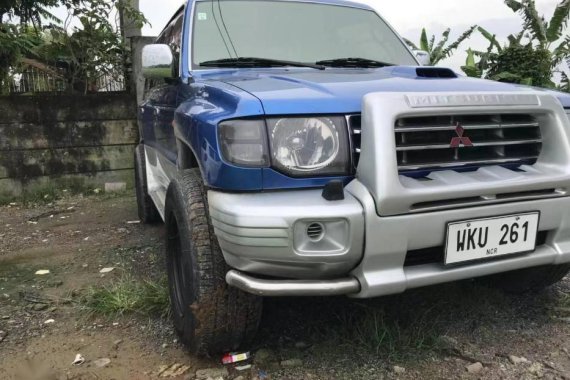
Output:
(478, 62)
(472, 68)
(545, 34)
(441, 49)
(564, 83)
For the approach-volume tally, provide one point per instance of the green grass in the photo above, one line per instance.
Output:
(51, 192)
(382, 332)
(564, 301)
(400, 327)
(128, 296)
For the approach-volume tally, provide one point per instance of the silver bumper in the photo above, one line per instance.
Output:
(382, 270)
(266, 233)
(287, 288)
(385, 216)
(372, 266)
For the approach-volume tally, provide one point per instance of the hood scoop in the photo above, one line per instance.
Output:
(423, 72)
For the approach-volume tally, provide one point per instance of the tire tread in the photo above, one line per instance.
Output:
(234, 315)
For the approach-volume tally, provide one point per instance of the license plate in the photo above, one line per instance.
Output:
(491, 237)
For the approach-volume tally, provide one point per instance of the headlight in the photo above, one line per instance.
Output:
(244, 142)
(307, 146)
(298, 146)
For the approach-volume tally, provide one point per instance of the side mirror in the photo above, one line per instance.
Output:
(158, 62)
(423, 57)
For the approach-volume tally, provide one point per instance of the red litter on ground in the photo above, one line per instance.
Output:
(235, 357)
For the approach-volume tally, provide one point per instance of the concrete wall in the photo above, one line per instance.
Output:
(66, 142)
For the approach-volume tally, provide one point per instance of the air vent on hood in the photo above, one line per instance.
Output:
(415, 72)
(435, 72)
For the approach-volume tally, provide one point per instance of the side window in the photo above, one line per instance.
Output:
(175, 38)
(172, 36)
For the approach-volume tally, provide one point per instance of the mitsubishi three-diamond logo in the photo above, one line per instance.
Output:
(456, 142)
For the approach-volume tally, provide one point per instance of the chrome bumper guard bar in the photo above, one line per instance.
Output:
(290, 288)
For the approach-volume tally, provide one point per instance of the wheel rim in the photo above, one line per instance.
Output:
(181, 268)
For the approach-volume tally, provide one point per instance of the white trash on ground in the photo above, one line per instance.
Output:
(79, 359)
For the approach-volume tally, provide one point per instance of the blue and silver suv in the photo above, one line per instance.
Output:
(298, 148)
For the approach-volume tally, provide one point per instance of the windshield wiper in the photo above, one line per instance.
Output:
(353, 62)
(257, 62)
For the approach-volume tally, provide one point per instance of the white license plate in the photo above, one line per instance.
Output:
(491, 237)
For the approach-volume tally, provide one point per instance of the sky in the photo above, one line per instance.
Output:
(408, 17)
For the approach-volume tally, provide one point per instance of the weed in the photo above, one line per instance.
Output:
(564, 300)
(56, 189)
(383, 332)
(400, 327)
(128, 296)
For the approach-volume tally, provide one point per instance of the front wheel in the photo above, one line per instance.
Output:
(209, 316)
(529, 279)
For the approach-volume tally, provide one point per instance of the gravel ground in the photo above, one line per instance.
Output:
(453, 331)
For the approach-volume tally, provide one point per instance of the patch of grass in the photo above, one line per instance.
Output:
(128, 296)
(564, 300)
(383, 332)
(399, 327)
(34, 195)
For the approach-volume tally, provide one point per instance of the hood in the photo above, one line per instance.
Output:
(301, 91)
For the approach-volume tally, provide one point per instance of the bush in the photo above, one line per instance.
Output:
(524, 65)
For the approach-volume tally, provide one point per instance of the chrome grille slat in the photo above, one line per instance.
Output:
(468, 163)
(482, 144)
(466, 127)
(447, 141)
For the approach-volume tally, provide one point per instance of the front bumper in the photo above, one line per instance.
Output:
(266, 233)
(258, 235)
(286, 288)
(387, 218)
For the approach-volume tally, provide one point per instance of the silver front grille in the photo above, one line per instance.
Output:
(466, 141)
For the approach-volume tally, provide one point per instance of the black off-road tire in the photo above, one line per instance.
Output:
(148, 213)
(529, 279)
(209, 316)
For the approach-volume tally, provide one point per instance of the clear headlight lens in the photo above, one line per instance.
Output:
(309, 145)
(298, 146)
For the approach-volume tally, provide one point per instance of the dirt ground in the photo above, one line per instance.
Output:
(454, 331)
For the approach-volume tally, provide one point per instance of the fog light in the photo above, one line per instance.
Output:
(315, 231)
(322, 238)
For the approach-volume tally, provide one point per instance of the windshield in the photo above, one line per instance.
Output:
(292, 31)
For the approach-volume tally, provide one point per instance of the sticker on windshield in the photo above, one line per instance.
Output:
(202, 16)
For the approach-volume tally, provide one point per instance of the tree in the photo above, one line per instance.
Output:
(28, 11)
(440, 50)
(565, 83)
(16, 40)
(531, 56)
(513, 63)
(546, 35)
(88, 52)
